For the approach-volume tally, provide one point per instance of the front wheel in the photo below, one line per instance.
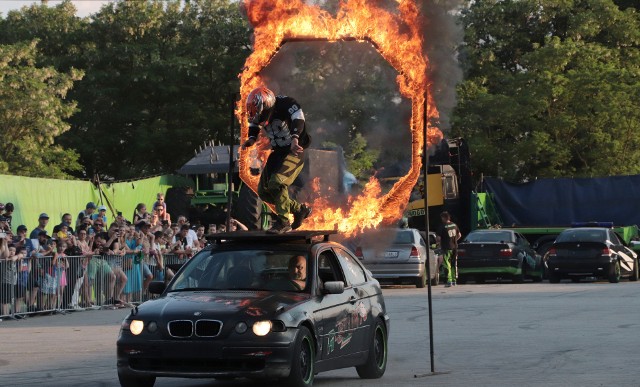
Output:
(303, 365)
(614, 272)
(136, 381)
(435, 281)
(554, 278)
(377, 360)
(636, 271)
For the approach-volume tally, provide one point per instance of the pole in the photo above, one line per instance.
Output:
(425, 167)
(232, 127)
(426, 224)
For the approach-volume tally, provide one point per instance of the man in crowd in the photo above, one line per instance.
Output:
(448, 236)
(43, 220)
(102, 214)
(283, 122)
(88, 211)
(191, 236)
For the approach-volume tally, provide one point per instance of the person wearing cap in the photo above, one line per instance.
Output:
(102, 214)
(87, 212)
(8, 213)
(20, 239)
(43, 220)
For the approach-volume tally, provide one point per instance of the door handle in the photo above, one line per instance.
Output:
(352, 299)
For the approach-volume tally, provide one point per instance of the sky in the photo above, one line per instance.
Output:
(84, 7)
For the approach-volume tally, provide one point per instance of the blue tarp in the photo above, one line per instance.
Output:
(559, 202)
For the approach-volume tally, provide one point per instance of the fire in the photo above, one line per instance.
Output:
(398, 38)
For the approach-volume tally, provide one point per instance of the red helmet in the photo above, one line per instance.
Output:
(259, 100)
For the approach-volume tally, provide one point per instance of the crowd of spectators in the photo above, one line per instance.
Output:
(77, 263)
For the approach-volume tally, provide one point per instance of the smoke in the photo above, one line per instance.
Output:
(442, 37)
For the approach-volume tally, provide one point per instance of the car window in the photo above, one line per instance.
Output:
(352, 269)
(244, 269)
(581, 235)
(329, 268)
(489, 236)
(404, 237)
(614, 238)
(522, 240)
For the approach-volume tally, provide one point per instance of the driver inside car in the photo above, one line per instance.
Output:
(298, 271)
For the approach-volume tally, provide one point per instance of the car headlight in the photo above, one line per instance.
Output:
(261, 328)
(136, 327)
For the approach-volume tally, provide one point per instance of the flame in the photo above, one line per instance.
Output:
(398, 38)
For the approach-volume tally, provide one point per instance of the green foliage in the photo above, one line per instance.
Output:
(160, 78)
(32, 114)
(550, 88)
(359, 158)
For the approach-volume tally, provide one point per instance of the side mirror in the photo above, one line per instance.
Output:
(157, 287)
(334, 287)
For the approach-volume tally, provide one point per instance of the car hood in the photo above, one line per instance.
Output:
(217, 304)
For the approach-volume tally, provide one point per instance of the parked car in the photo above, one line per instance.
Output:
(490, 253)
(590, 252)
(243, 308)
(398, 255)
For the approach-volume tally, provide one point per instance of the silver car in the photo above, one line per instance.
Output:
(398, 255)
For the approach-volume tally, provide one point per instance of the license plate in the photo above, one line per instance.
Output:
(391, 254)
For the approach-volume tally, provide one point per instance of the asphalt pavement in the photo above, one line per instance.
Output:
(495, 334)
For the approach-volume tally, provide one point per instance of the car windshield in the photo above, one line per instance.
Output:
(493, 236)
(244, 270)
(584, 235)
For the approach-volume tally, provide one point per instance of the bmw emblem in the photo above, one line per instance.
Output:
(197, 313)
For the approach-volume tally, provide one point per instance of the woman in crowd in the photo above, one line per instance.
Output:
(115, 261)
(140, 213)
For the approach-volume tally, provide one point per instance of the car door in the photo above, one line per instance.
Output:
(334, 311)
(626, 258)
(360, 319)
(531, 260)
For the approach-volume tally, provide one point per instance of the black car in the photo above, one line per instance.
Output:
(244, 308)
(497, 253)
(590, 252)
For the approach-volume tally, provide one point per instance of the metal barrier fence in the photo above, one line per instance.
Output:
(69, 283)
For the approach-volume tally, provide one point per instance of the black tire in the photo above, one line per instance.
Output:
(376, 363)
(304, 358)
(614, 272)
(421, 281)
(480, 279)
(136, 381)
(248, 209)
(635, 274)
(554, 278)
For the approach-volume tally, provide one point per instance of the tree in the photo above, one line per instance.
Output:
(550, 88)
(33, 113)
(160, 79)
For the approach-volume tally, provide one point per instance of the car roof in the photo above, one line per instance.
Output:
(261, 237)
